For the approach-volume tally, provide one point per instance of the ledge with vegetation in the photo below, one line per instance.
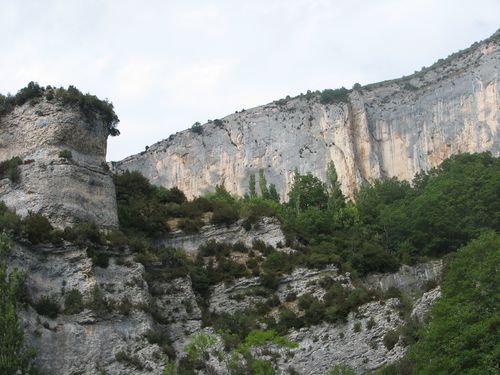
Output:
(90, 105)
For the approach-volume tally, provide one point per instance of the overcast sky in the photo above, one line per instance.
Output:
(166, 64)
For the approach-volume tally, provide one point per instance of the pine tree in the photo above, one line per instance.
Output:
(273, 193)
(336, 198)
(263, 185)
(251, 186)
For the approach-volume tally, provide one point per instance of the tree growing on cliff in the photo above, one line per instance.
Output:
(263, 185)
(14, 357)
(336, 199)
(251, 186)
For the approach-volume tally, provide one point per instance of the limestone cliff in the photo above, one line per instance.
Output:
(65, 190)
(393, 128)
(124, 312)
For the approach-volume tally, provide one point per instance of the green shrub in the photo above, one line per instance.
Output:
(9, 221)
(191, 226)
(66, 154)
(200, 344)
(99, 257)
(47, 306)
(197, 128)
(224, 213)
(89, 105)
(98, 303)
(391, 338)
(36, 228)
(15, 357)
(462, 337)
(73, 302)
(329, 96)
(8, 169)
(84, 233)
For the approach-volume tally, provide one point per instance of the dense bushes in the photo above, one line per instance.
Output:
(48, 307)
(462, 337)
(330, 96)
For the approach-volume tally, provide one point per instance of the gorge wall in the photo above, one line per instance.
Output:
(393, 128)
(65, 190)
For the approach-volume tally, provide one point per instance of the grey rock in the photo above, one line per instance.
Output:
(393, 128)
(65, 191)
(267, 230)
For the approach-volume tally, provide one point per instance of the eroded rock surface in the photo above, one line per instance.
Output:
(392, 128)
(266, 229)
(65, 190)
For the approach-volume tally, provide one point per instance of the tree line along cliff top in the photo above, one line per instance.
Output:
(91, 106)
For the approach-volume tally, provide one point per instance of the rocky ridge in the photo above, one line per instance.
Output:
(392, 128)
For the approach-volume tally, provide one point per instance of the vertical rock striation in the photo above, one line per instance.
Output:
(392, 128)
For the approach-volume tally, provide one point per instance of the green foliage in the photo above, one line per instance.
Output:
(140, 208)
(91, 106)
(259, 338)
(37, 228)
(462, 337)
(262, 367)
(307, 192)
(341, 370)
(391, 338)
(201, 343)
(8, 169)
(9, 222)
(273, 193)
(263, 185)
(329, 96)
(14, 357)
(48, 307)
(197, 128)
(65, 154)
(224, 213)
(448, 206)
(251, 186)
(336, 199)
(73, 302)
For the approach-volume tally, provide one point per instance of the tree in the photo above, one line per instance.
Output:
(263, 185)
(462, 337)
(251, 186)
(336, 199)
(273, 193)
(306, 192)
(14, 357)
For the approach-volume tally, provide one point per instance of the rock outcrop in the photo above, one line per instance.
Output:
(392, 128)
(64, 189)
(267, 230)
(125, 312)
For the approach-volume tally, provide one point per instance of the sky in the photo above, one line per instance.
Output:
(167, 64)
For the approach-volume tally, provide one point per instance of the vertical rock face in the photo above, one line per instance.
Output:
(65, 190)
(393, 128)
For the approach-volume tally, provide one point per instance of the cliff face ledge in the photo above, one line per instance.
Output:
(394, 128)
(111, 334)
(64, 190)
